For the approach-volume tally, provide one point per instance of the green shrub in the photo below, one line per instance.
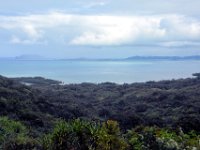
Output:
(154, 138)
(14, 136)
(134, 140)
(62, 137)
(83, 135)
(10, 128)
(21, 143)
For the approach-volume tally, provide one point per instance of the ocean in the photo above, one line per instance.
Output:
(100, 71)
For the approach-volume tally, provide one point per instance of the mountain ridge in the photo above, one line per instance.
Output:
(131, 58)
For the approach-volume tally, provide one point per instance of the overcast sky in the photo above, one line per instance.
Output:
(99, 28)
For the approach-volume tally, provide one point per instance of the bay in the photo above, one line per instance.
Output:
(100, 71)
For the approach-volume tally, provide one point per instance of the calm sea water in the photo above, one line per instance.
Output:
(100, 71)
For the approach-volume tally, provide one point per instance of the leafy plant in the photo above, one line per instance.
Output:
(14, 136)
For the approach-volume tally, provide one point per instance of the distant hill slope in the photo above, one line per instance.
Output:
(20, 102)
(195, 57)
(131, 58)
(30, 57)
(165, 103)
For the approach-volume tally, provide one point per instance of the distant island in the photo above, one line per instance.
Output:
(132, 58)
(29, 57)
(140, 58)
(197, 57)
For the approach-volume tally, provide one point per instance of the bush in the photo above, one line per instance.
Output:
(14, 136)
(81, 135)
(87, 135)
(153, 138)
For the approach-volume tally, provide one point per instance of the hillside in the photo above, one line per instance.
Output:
(161, 115)
(165, 103)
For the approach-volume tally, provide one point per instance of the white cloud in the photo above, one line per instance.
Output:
(103, 30)
(94, 4)
(32, 32)
(111, 30)
(16, 40)
(179, 44)
(90, 4)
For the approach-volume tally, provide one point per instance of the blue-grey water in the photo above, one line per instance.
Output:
(100, 71)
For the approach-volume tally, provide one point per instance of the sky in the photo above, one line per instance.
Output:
(99, 28)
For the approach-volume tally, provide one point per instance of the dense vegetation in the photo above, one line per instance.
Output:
(84, 135)
(152, 115)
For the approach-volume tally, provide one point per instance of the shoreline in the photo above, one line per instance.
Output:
(29, 81)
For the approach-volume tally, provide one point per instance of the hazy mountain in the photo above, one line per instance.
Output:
(132, 58)
(197, 57)
(30, 57)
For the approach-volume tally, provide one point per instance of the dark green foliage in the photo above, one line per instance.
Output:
(196, 75)
(172, 106)
(10, 128)
(164, 103)
(84, 135)
(14, 136)
(154, 138)
(61, 137)
(37, 81)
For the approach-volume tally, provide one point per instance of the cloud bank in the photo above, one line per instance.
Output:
(167, 30)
